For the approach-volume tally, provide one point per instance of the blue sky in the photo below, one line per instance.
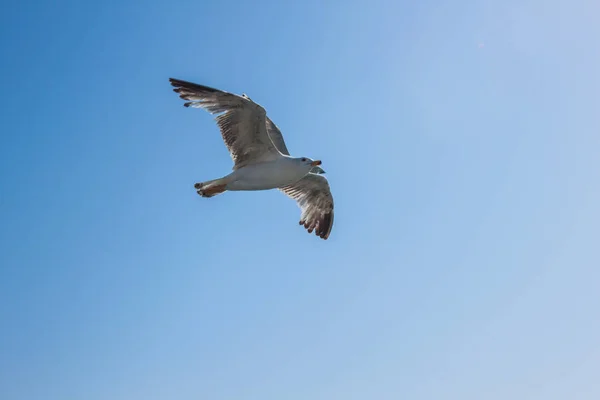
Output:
(461, 143)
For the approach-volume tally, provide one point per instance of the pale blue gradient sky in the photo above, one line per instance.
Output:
(461, 140)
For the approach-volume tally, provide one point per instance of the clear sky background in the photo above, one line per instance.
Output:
(461, 140)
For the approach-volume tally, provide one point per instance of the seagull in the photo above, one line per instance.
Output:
(260, 157)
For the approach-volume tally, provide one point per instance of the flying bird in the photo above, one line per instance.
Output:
(261, 160)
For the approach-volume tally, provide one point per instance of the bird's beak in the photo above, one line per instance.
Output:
(315, 163)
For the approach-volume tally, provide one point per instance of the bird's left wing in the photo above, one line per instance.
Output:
(313, 195)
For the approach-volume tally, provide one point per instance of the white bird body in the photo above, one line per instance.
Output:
(261, 158)
(267, 175)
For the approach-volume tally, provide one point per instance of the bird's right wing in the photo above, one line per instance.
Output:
(242, 121)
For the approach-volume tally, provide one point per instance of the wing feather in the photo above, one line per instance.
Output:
(276, 137)
(313, 195)
(243, 123)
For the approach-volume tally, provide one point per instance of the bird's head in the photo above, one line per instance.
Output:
(312, 165)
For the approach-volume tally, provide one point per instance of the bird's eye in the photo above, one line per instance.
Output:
(304, 160)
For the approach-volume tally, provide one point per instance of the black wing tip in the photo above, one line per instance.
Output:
(177, 83)
(185, 89)
(182, 85)
(323, 228)
(325, 225)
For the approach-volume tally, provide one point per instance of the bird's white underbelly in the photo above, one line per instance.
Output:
(264, 176)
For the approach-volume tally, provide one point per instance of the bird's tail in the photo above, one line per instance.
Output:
(212, 188)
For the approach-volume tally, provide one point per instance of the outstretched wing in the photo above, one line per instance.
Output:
(313, 195)
(242, 121)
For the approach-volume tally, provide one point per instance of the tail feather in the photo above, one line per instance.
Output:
(211, 188)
